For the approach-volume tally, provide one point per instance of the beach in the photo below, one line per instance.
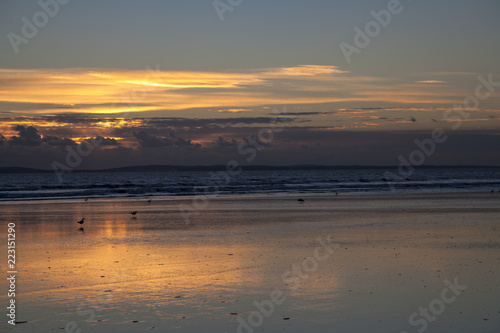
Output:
(257, 263)
(233, 166)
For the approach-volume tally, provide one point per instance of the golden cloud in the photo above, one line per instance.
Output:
(53, 91)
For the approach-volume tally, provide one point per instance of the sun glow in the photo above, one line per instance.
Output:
(127, 91)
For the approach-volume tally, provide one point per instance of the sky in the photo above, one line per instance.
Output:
(103, 84)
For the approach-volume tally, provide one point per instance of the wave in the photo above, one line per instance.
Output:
(105, 185)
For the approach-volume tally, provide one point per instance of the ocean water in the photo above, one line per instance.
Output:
(32, 186)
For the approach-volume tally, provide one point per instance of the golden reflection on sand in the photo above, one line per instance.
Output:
(392, 257)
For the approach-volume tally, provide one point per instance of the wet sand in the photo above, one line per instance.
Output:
(364, 263)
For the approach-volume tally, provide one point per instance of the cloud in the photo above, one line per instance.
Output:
(106, 141)
(59, 130)
(221, 142)
(254, 140)
(151, 141)
(431, 81)
(28, 136)
(154, 90)
(234, 110)
(57, 141)
(374, 119)
(305, 70)
(460, 120)
(312, 113)
(466, 120)
(209, 122)
(379, 109)
(60, 120)
(324, 146)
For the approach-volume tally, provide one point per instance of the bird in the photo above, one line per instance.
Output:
(149, 200)
(86, 199)
(133, 213)
(301, 200)
(82, 221)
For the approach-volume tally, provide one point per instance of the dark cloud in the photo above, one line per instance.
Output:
(56, 120)
(212, 122)
(174, 141)
(311, 113)
(399, 120)
(106, 141)
(28, 136)
(152, 141)
(294, 145)
(254, 140)
(57, 141)
(221, 142)
(171, 123)
(374, 109)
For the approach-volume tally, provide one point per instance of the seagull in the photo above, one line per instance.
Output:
(133, 213)
(301, 200)
(81, 222)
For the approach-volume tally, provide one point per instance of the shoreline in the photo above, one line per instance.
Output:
(190, 197)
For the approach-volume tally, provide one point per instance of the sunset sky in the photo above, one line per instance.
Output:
(169, 82)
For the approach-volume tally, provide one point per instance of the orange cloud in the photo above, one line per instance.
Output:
(53, 91)
(431, 81)
(305, 70)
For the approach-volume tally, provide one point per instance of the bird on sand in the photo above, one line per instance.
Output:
(301, 200)
(133, 213)
(149, 200)
(82, 221)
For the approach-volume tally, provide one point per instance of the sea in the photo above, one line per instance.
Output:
(355, 180)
